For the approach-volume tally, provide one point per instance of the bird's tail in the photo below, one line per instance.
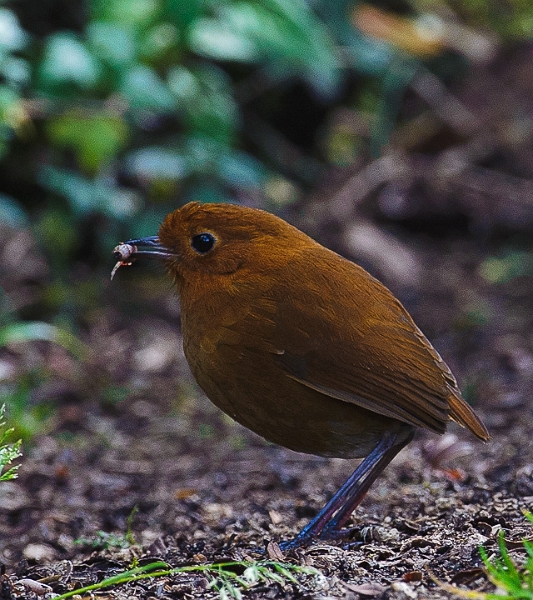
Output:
(461, 413)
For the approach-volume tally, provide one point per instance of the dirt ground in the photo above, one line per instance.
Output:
(135, 465)
(194, 487)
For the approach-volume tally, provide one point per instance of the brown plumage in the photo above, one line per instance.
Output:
(301, 345)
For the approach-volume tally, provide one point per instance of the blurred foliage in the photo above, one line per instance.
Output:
(111, 110)
(23, 332)
(26, 417)
(8, 451)
(141, 94)
(137, 102)
(502, 269)
(508, 18)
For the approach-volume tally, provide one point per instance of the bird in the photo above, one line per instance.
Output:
(301, 345)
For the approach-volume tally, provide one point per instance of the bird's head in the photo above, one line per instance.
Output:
(216, 239)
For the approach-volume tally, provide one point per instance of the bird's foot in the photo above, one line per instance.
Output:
(351, 536)
(300, 541)
(355, 536)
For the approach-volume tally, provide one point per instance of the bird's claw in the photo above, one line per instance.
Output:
(327, 534)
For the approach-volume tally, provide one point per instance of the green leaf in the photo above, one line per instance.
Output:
(12, 116)
(66, 62)
(96, 138)
(208, 157)
(158, 40)
(214, 115)
(241, 170)
(33, 331)
(144, 89)
(364, 54)
(499, 270)
(12, 36)
(184, 14)
(217, 40)
(16, 70)
(204, 96)
(308, 43)
(157, 163)
(137, 13)
(111, 42)
(285, 33)
(86, 195)
(8, 453)
(12, 213)
(9, 103)
(183, 83)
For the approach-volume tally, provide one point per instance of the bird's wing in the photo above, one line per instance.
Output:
(345, 335)
(395, 379)
(366, 349)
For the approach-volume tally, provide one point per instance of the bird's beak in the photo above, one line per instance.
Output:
(150, 246)
(126, 252)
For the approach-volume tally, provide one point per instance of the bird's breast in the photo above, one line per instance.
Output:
(241, 374)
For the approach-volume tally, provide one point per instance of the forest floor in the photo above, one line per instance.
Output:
(162, 475)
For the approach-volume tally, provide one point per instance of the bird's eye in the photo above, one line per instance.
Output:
(203, 242)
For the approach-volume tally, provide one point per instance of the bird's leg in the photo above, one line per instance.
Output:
(329, 521)
(355, 489)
